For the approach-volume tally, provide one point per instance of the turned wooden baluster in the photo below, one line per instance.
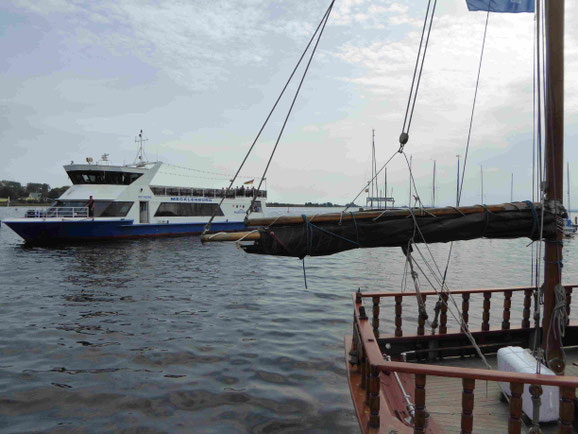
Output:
(420, 413)
(367, 381)
(507, 306)
(486, 314)
(363, 366)
(515, 420)
(567, 395)
(444, 314)
(374, 397)
(375, 321)
(421, 320)
(527, 306)
(468, 385)
(398, 330)
(465, 309)
(568, 302)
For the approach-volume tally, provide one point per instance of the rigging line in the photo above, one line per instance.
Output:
(416, 66)
(469, 137)
(421, 66)
(416, 227)
(208, 225)
(473, 107)
(313, 51)
(412, 94)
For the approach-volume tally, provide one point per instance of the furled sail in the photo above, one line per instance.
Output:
(327, 234)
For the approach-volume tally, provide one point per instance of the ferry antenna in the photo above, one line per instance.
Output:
(140, 156)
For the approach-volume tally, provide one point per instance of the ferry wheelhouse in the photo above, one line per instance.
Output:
(132, 201)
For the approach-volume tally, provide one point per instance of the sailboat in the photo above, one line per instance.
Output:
(430, 379)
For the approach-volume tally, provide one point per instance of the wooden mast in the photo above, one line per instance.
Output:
(554, 17)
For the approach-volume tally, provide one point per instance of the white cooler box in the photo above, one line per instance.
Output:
(517, 359)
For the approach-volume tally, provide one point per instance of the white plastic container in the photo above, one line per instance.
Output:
(517, 359)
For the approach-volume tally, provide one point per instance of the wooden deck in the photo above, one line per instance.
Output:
(444, 398)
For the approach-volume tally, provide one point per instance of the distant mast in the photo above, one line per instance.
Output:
(482, 184)
(385, 188)
(433, 187)
(458, 183)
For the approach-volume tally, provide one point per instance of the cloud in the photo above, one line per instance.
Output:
(199, 78)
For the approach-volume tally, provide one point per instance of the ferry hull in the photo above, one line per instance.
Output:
(54, 232)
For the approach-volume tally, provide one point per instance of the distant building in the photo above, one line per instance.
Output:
(34, 196)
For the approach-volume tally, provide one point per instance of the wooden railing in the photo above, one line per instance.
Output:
(371, 362)
(466, 296)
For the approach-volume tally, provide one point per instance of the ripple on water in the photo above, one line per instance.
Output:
(170, 335)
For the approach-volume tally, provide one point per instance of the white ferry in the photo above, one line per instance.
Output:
(133, 201)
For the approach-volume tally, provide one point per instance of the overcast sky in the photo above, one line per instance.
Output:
(80, 79)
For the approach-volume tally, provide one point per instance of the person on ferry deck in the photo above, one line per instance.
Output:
(90, 206)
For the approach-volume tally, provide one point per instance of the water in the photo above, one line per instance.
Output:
(171, 335)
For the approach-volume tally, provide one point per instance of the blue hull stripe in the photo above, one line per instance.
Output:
(62, 231)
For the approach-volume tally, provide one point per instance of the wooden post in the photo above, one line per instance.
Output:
(527, 306)
(421, 320)
(420, 413)
(465, 308)
(506, 313)
(398, 330)
(567, 395)
(515, 420)
(568, 303)
(367, 380)
(374, 396)
(468, 385)
(444, 314)
(375, 321)
(486, 314)
(362, 365)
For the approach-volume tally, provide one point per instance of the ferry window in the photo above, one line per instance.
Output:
(158, 191)
(186, 191)
(172, 209)
(70, 203)
(172, 191)
(115, 209)
(102, 177)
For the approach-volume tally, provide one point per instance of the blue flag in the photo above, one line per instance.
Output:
(511, 6)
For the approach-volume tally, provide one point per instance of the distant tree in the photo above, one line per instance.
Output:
(11, 189)
(55, 193)
(33, 187)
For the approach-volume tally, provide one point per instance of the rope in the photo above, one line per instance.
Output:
(322, 24)
(309, 229)
(326, 15)
(417, 72)
(535, 215)
(469, 135)
(414, 88)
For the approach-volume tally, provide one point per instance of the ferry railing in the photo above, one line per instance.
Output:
(58, 212)
(371, 364)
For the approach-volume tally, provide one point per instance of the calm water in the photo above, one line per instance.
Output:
(171, 335)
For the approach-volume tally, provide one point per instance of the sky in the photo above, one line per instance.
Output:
(80, 79)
